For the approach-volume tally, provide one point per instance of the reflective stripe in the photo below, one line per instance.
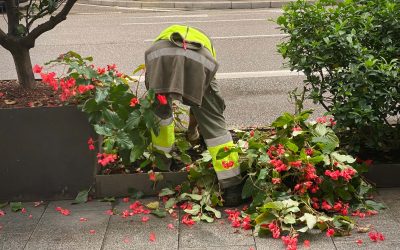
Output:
(228, 173)
(219, 140)
(164, 149)
(166, 122)
(181, 52)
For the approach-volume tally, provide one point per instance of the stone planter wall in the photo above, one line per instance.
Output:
(384, 175)
(44, 153)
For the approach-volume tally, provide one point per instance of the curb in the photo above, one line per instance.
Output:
(188, 5)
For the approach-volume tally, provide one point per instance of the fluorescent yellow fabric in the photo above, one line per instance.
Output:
(218, 164)
(190, 34)
(166, 137)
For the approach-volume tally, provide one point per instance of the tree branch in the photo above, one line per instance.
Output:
(5, 40)
(29, 40)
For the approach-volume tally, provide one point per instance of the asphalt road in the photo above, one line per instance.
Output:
(253, 78)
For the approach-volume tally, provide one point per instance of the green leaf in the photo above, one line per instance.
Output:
(195, 197)
(262, 175)
(136, 194)
(123, 140)
(159, 213)
(289, 219)
(102, 130)
(290, 145)
(136, 153)
(112, 119)
(82, 197)
(248, 188)
(194, 211)
(108, 199)
(170, 203)
(153, 205)
(139, 68)
(165, 192)
(277, 205)
(303, 229)
(90, 106)
(343, 158)
(2, 205)
(101, 95)
(16, 206)
(283, 120)
(264, 158)
(310, 219)
(133, 120)
(206, 218)
(374, 205)
(320, 129)
(215, 211)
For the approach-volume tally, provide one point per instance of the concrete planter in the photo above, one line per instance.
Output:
(118, 185)
(44, 153)
(384, 175)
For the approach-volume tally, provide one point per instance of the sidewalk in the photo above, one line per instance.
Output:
(189, 5)
(48, 229)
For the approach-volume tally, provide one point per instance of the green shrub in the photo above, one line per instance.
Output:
(350, 55)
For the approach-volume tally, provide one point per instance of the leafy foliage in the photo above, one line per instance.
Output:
(350, 56)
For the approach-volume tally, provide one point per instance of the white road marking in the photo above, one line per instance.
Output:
(236, 37)
(255, 74)
(172, 16)
(202, 21)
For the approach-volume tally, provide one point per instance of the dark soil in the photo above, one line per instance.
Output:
(12, 95)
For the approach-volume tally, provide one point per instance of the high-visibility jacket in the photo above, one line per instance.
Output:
(189, 35)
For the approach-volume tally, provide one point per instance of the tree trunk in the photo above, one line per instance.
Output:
(23, 64)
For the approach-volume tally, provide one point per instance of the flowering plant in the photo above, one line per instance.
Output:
(122, 118)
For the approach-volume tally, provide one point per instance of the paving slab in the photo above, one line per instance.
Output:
(249, 247)
(368, 245)
(13, 241)
(55, 231)
(95, 205)
(216, 234)
(18, 222)
(132, 233)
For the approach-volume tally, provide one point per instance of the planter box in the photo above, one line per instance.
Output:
(44, 153)
(118, 185)
(384, 175)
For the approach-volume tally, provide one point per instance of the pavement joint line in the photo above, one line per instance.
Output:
(171, 16)
(37, 224)
(238, 37)
(126, 8)
(105, 233)
(200, 21)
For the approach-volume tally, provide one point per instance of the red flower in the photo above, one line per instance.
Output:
(325, 205)
(101, 71)
(162, 99)
(65, 212)
(376, 236)
(276, 180)
(109, 212)
(251, 133)
(134, 101)
(170, 226)
(306, 243)
(321, 120)
(152, 176)
(309, 151)
(91, 147)
(105, 159)
(111, 67)
(333, 174)
(330, 232)
(2, 213)
(37, 69)
(296, 164)
(187, 220)
(359, 242)
(145, 219)
(125, 199)
(83, 219)
(297, 128)
(92, 231)
(152, 237)
(23, 210)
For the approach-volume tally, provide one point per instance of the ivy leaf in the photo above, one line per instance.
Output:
(82, 197)
(310, 219)
(16, 206)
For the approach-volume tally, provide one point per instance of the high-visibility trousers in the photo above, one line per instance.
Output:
(212, 127)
